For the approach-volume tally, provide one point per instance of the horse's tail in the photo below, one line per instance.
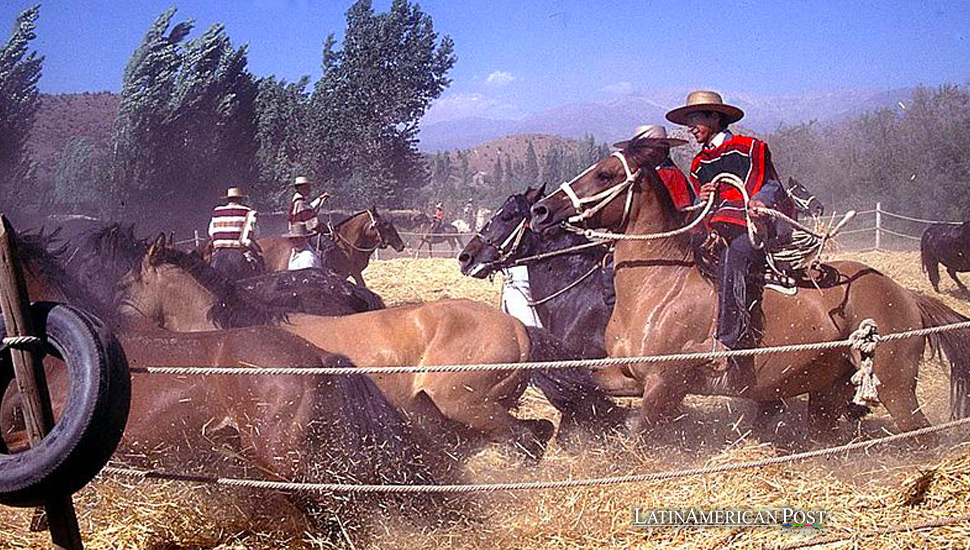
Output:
(955, 344)
(928, 260)
(570, 390)
(370, 439)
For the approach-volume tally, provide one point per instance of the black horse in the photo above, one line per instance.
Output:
(947, 244)
(569, 288)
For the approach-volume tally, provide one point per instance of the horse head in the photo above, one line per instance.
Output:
(601, 196)
(499, 240)
(386, 232)
(804, 200)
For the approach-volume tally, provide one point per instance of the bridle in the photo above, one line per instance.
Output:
(601, 200)
(381, 241)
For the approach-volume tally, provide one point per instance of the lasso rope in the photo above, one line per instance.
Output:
(249, 369)
(528, 485)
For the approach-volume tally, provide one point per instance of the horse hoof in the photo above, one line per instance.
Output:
(532, 443)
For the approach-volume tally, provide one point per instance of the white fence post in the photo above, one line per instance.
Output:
(198, 242)
(878, 224)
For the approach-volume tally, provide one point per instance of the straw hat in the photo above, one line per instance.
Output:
(703, 100)
(301, 180)
(235, 193)
(648, 135)
(297, 231)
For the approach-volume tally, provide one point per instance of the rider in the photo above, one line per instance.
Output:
(740, 282)
(439, 216)
(303, 211)
(302, 256)
(232, 232)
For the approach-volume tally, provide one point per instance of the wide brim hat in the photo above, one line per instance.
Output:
(648, 135)
(235, 193)
(301, 180)
(298, 231)
(704, 100)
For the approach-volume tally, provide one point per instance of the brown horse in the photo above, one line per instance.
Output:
(286, 427)
(168, 287)
(435, 233)
(665, 305)
(354, 241)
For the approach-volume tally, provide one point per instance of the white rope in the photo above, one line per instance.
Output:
(897, 234)
(538, 365)
(20, 342)
(918, 220)
(606, 235)
(529, 485)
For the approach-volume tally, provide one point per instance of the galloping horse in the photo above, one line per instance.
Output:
(354, 241)
(946, 244)
(665, 305)
(445, 332)
(432, 234)
(568, 287)
(289, 427)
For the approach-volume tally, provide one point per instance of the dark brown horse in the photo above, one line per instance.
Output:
(284, 427)
(947, 244)
(168, 287)
(354, 241)
(665, 305)
(436, 233)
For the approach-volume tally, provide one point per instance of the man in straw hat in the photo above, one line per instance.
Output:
(740, 282)
(302, 210)
(302, 256)
(232, 232)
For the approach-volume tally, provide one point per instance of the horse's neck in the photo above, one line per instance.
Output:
(552, 274)
(354, 232)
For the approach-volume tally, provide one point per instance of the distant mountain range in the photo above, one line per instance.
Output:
(613, 120)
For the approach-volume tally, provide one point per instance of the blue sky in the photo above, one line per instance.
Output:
(517, 57)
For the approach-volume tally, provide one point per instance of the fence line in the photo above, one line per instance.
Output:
(528, 485)
(536, 365)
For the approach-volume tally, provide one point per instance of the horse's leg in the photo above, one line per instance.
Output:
(953, 275)
(897, 367)
(663, 391)
(825, 407)
(359, 277)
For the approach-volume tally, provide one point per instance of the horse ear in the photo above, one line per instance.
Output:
(155, 249)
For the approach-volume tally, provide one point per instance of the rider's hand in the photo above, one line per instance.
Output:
(753, 206)
(324, 197)
(707, 190)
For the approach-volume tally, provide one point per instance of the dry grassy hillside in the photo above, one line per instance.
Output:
(860, 491)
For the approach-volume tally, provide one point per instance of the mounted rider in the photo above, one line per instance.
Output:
(438, 218)
(302, 210)
(232, 236)
(740, 282)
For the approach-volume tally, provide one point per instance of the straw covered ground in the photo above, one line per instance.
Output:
(862, 491)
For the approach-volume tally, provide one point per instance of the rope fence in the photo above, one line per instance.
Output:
(853, 341)
(289, 486)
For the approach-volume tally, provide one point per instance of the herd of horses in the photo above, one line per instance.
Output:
(169, 307)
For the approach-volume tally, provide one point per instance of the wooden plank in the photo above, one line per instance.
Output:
(29, 371)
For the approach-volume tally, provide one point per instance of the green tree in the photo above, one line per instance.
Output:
(20, 69)
(530, 174)
(185, 128)
(374, 90)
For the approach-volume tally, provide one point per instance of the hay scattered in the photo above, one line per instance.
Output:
(885, 487)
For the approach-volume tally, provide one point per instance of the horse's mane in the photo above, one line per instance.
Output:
(44, 254)
(232, 308)
(674, 217)
(344, 221)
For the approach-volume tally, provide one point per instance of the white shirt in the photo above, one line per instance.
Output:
(517, 296)
(302, 259)
(719, 139)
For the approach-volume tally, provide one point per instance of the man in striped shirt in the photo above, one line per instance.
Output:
(232, 237)
(302, 210)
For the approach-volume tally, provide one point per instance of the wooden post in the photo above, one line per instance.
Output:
(28, 368)
(878, 224)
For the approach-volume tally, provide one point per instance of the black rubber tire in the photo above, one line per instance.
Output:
(94, 415)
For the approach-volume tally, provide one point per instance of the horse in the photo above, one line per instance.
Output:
(666, 305)
(568, 287)
(287, 427)
(436, 233)
(947, 244)
(475, 405)
(804, 201)
(354, 240)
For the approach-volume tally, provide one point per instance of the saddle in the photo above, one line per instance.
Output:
(790, 262)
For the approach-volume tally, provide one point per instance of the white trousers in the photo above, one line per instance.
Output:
(517, 296)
